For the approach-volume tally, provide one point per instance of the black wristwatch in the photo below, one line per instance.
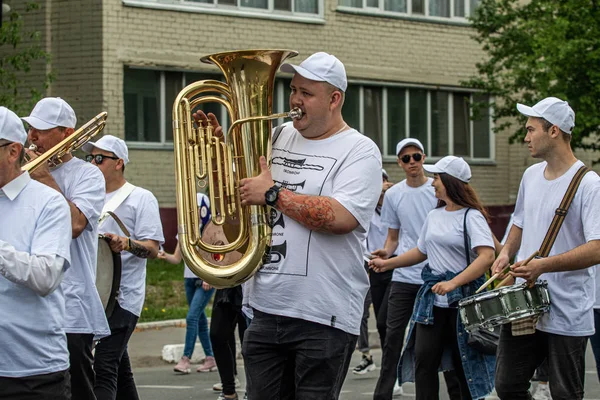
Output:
(272, 195)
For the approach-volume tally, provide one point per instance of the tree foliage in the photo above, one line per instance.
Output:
(20, 53)
(538, 49)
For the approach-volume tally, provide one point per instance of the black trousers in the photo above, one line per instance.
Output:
(293, 359)
(53, 386)
(114, 378)
(82, 365)
(430, 341)
(400, 307)
(378, 294)
(519, 356)
(225, 317)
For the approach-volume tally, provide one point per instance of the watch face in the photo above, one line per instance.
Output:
(271, 195)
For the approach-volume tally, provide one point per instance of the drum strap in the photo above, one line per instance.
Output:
(561, 212)
(118, 198)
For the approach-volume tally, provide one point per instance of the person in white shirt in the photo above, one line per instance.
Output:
(452, 272)
(561, 334)
(35, 234)
(379, 287)
(198, 294)
(51, 121)
(138, 211)
(404, 211)
(324, 184)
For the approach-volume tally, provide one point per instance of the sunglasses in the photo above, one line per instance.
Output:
(416, 156)
(5, 144)
(98, 158)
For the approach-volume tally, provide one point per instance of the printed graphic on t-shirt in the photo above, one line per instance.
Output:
(290, 242)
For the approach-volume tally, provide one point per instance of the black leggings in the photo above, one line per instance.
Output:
(225, 317)
(430, 341)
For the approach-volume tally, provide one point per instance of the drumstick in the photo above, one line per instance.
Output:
(505, 280)
(504, 271)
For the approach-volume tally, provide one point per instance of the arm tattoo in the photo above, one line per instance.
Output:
(314, 212)
(138, 250)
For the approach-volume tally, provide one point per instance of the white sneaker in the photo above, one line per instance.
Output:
(218, 387)
(398, 391)
(542, 392)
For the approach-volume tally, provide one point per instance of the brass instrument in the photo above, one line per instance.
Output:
(69, 144)
(201, 157)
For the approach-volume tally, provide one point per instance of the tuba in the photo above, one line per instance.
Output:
(69, 144)
(203, 158)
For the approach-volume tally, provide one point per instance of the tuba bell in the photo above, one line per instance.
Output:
(205, 159)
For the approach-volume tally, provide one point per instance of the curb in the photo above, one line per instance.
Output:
(144, 326)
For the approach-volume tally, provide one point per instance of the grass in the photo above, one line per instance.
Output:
(165, 294)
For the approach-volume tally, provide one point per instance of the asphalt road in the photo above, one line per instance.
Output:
(161, 383)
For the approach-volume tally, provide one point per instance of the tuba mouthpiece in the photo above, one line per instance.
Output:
(295, 113)
(32, 147)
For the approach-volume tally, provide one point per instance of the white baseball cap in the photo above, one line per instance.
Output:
(109, 143)
(11, 127)
(451, 165)
(554, 110)
(409, 142)
(321, 67)
(384, 174)
(51, 112)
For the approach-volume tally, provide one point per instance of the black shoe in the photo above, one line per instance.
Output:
(366, 365)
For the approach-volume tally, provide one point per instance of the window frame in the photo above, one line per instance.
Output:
(425, 17)
(281, 105)
(240, 11)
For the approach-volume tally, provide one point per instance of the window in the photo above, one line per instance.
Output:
(148, 100)
(286, 9)
(435, 9)
(444, 121)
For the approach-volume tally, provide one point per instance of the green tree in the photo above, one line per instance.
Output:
(20, 54)
(539, 49)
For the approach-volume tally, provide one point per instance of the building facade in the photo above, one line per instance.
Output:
(405, 61)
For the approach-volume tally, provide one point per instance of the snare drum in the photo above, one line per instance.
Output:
(108, 275)
(506, 304)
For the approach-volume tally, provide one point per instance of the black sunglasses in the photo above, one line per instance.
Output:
(416, 156)
(98, 158)
(5, 144)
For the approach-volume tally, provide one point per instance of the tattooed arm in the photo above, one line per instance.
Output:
(317, 213)
(139, 248)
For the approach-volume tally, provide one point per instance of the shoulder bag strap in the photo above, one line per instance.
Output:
(467, 247)
(561, 212)
(277, 133)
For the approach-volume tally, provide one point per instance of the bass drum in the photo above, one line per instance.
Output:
(108, 275)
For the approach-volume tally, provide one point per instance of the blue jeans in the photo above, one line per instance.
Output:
(290, 358)
(196, 322)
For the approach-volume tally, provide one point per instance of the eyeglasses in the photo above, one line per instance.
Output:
(416, 156)
(5, 144)
(98, 158)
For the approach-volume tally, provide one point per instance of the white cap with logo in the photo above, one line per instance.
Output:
(451, 165)
(109, 143)
(409, 142)
(11, 127)
(51, 112)
(321, 67)
(554, 110)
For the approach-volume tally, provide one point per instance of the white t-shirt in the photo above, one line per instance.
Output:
(376, 235)
(571, 293)
(139, 213)
(405, 208)
(320, 277)
(442, 240)
(83, 184)
(32, 337)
